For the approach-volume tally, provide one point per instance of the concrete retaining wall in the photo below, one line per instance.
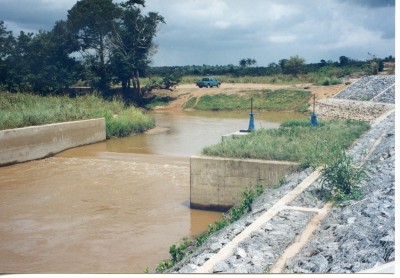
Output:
(216, 183)
(35, 142)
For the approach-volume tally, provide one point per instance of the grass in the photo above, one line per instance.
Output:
(179, 251)
(190, 103)
(293, 141)
(278, 100)
(21, 110)
(341, 175)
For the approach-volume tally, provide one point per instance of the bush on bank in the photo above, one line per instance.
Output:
(22, 109)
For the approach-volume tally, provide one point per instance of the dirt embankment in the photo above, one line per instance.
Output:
(184, 92)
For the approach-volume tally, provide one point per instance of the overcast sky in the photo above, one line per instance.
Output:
(221, 32)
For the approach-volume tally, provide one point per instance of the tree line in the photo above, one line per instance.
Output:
(101, 43)
(294, 65)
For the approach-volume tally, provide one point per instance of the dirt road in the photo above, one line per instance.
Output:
(184, 92)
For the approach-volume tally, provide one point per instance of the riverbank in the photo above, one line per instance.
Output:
(184, 93)
(352, 237)
(23, 110)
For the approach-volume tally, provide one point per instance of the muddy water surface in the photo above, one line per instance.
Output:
(111, 207)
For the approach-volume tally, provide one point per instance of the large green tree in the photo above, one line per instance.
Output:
(6, 40)
(132, 44)
(51, 67)
(293, 65)
(17, 62)
(38, 63)
(115, 39)
(92, 22)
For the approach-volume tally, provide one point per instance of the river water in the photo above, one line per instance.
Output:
(115, 206)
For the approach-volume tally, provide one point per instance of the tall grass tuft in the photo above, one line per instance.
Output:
(292, 141)
(341, 175)
(21, 110)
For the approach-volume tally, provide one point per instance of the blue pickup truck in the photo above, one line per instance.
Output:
(208, 82)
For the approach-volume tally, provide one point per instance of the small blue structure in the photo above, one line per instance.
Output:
(251, 122)
(313, 116)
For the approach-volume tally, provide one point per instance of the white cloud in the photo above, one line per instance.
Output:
(282, 38)
(222, 24)
(224, 31)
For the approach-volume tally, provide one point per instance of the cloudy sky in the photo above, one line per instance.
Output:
(221, 32)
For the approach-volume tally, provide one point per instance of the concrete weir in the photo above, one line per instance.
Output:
(35, 142)
(216, 183)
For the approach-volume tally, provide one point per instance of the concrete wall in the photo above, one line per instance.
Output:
(216, 183)
(35, 142)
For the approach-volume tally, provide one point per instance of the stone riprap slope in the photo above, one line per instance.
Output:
(368, 88)
(360, 234)
(355, 236)
(365, 100)
(366, 111)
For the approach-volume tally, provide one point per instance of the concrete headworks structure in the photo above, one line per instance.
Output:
(35, 142)
(216, 183)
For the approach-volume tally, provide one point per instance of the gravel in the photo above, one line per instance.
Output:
(354, 236)
(359, 234)
(368, 87)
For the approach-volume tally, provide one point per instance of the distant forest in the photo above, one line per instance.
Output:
(346, 64)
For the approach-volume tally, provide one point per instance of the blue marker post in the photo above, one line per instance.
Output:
(313, 116)
(251, 122)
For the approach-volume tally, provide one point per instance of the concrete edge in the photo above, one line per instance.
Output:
(246, 159)
(37, 142)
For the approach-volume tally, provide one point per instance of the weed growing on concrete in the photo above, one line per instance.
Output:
(248, 196)
(341, 176)
(178, 252)
(281, 182)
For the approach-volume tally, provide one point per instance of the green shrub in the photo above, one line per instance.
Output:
(177, 253)
(341, 176)
(233, 214)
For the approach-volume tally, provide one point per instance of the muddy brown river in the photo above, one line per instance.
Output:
(111, 207)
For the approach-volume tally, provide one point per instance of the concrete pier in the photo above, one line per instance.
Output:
(216, 183)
